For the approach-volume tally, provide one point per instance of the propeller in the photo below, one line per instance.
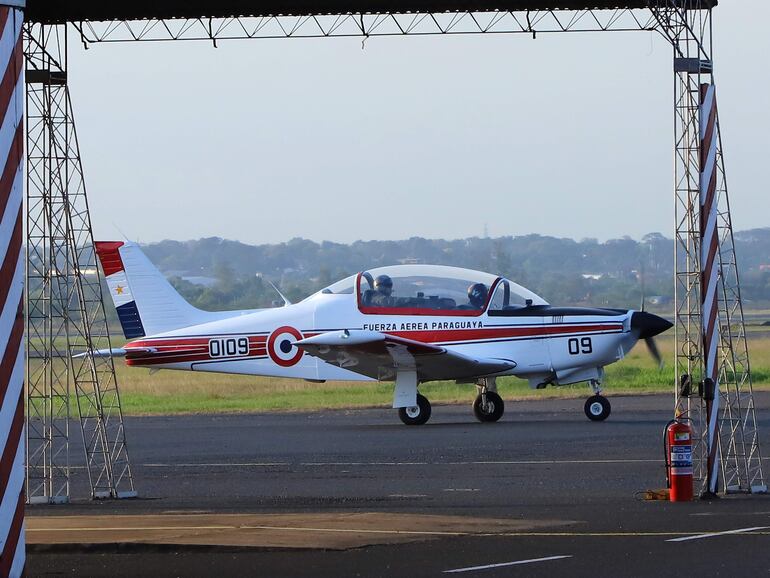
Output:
(654, 351)
(647, 327)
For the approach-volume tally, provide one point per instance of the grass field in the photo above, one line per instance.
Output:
(187, 392)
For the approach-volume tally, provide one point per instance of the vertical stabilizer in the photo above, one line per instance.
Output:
(146, 302)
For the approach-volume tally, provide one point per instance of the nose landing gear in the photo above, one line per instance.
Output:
(597, 407)
(488, 406)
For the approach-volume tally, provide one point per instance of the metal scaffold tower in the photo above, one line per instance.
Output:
(65, 312)
(710, 345)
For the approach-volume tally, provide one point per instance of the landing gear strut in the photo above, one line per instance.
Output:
(488, 405)
(416, 414)
(597, 407)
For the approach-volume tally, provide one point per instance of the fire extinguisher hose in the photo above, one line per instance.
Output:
(666, 453)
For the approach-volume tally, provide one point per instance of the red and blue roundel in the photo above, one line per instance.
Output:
(281, 348)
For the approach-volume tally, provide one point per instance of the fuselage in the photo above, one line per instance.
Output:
(548, 344)
(403, 323)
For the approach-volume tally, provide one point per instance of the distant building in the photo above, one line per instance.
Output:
(658, 299)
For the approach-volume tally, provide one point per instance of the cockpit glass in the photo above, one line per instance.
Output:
(508, 295)
(424, 290)
(342, 287)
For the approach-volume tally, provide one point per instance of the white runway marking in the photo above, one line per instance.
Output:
(712, 534)
(410, 496)
(370, 464)
(501, 565)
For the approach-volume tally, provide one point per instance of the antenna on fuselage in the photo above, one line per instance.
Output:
(285, 300)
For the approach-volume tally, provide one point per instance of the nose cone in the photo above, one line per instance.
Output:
(648, 325)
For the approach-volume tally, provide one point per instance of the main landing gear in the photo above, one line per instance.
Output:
(597, 407)
(488, 406)
(416, 414)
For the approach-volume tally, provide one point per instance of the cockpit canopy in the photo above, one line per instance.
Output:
(432, 290)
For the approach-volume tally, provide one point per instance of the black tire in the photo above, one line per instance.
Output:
(597, 408)
(416, 415)
(493, 410)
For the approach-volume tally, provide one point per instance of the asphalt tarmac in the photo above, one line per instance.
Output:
(543, 492)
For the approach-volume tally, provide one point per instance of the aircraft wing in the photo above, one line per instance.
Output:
(379, 356)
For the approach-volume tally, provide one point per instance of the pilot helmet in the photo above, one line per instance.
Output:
(477, 294)
(383, 284)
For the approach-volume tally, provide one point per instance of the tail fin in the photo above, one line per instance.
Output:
(146, 302)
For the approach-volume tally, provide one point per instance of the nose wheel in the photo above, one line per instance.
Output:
(597, 408)
(416, 414)
(488, 407)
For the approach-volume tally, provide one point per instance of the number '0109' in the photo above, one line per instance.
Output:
(229, 347)
(577, 346)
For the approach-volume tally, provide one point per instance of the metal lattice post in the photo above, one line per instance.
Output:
(48, 366)
(66, 314)
(689, 31)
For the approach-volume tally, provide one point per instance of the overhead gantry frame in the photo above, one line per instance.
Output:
(685, 24)
(366, 25)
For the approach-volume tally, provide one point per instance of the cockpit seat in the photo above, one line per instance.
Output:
(366, 298)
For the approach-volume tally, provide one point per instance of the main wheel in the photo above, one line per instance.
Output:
(417, 414)
(597, 408)
(492, 410)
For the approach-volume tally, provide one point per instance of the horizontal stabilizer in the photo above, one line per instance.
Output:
(114, 352)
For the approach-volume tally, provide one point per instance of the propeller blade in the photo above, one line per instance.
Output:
(653, 347)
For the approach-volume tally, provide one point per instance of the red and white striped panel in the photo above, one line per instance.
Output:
(709, 262)
(12, 558)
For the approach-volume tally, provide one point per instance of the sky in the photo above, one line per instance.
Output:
(439, 137)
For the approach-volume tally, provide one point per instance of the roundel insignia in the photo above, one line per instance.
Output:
(280, 346)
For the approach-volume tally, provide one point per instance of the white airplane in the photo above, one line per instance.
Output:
(406, 323)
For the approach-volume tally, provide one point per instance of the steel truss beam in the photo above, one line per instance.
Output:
(65, 312)
(366, 25)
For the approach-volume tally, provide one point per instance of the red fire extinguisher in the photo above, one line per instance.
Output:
(677, 443)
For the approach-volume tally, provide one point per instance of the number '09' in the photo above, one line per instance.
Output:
(229, 346)
(577, 346)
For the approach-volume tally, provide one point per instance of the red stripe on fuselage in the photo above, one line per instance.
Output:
(193, 349)
(183, 350)
(191, 358)
(487, 333)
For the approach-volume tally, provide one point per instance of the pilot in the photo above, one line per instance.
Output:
(477, 295)
(383, 288)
